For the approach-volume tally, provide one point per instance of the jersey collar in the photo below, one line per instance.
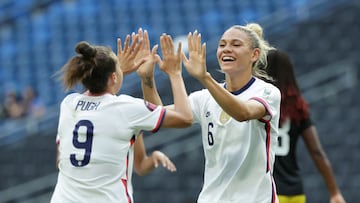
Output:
(237, 92)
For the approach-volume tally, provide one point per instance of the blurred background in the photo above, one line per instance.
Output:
(38, 36)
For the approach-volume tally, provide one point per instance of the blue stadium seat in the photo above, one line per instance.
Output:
(40, 28)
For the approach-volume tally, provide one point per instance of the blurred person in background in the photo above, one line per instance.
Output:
(295, 123)
(97, 128)
(13, 106)
(239, 118)
(26, 104)
(32, 103)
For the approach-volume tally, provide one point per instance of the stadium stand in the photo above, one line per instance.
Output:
(37, 36)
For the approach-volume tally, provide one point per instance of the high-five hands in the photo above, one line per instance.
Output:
(138, 57)
(146, 70)
(171, 63)
(128, 54)
(196, 63)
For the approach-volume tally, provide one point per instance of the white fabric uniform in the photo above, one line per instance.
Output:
(95, 135)
(239, 156)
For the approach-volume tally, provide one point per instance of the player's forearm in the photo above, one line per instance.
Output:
(326, 171)
(233, 107)
(149, 90)
(147, 165)
(181, 101)
(323, 165)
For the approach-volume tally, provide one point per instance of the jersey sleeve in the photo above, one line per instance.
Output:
(196, 103)
(305, 124)
(144, 115)
(270, 97)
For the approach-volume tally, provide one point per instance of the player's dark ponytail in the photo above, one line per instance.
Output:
(85, 49)
(92, 67)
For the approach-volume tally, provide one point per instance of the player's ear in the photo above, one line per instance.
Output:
(255, 54)
(113, 78)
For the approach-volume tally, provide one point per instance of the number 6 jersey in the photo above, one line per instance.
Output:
(239, 156)
(95, 135)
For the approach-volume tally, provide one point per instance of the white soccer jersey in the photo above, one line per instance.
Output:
(239, 156)
(95, 135)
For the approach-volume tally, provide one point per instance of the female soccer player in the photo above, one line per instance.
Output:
(295, 122)
(97, 128)
(239, 118)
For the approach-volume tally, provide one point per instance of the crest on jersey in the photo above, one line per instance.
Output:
(224, 117)
(150, 106)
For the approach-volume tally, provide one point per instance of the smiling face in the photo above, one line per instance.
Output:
(235, 52)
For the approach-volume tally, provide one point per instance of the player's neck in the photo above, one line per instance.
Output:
(234, 84)
(88, 93)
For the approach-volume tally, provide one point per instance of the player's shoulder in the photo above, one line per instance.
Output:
(106, 98)
(70, 97)
(128, 102)
(128, 99)
(263, 83)
(269, 87)
(125, 97)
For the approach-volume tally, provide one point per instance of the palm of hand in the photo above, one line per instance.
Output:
(195, 66)
(126, 64)
(127, 55)
(171, 64)
(147, 68)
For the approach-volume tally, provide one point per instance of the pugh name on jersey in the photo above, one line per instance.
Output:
(83, 105)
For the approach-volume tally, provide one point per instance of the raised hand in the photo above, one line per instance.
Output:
(196, 63)
(171, 62)
(146, 70)
(127, 54)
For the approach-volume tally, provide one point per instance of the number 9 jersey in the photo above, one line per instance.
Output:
(95, 135)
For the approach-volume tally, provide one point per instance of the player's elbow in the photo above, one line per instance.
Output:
(189, 121)
(186, 122)
(177, 121)
(240, 117)
(249, 113)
